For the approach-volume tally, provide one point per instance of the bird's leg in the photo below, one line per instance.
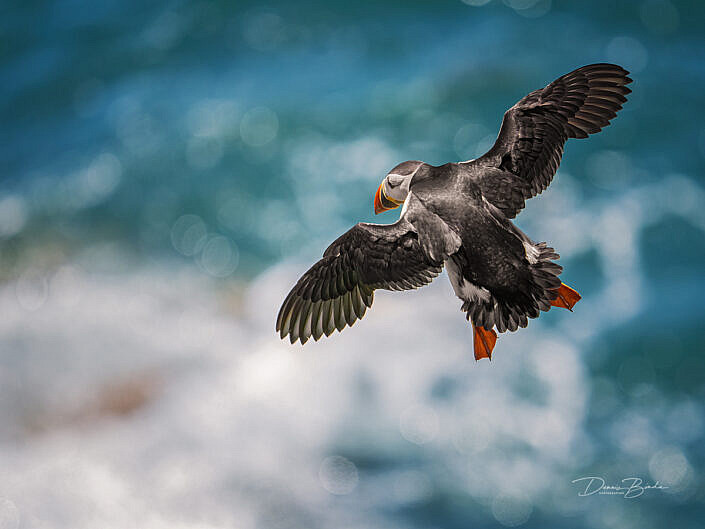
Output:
(483, 342)
(566, 297)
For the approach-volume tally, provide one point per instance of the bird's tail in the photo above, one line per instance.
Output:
(539, 294)
(545, 274)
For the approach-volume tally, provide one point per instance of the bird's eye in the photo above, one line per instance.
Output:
(394, 180)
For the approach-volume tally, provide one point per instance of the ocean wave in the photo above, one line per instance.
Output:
(163, 398)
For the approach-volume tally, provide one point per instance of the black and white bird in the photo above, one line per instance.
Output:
(458, 215)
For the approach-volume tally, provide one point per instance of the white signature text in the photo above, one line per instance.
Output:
(628, 487)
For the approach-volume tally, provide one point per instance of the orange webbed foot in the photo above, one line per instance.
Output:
(483, 342)
(566, 297)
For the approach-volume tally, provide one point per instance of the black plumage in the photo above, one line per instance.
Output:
(339, 288)
(529, 147)
(458, 215)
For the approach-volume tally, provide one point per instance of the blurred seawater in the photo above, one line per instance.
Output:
(166, 173)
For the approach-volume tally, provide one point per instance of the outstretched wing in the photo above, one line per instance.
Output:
(528, 150)
(338, 289)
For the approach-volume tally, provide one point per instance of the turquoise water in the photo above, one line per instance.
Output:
(166, 172)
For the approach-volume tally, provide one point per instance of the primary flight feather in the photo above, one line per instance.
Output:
(458, 215)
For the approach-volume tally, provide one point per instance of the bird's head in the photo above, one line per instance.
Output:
(394, 189)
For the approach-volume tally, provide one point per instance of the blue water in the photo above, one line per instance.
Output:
(167, 171)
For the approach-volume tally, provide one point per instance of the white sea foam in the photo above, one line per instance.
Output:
(234, 427)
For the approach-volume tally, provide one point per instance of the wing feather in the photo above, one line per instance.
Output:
(530, 143)
(337, 290)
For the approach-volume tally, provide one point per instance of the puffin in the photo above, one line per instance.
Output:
(458, 216)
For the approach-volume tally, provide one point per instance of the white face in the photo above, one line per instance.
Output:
(396, 186)
(394, 189)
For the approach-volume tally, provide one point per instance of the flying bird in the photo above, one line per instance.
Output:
(458, 215)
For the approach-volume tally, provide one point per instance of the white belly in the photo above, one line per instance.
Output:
(463, 288)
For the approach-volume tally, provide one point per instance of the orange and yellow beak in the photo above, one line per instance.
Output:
(383, 202)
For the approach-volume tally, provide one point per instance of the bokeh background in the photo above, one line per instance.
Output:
(167, 172)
